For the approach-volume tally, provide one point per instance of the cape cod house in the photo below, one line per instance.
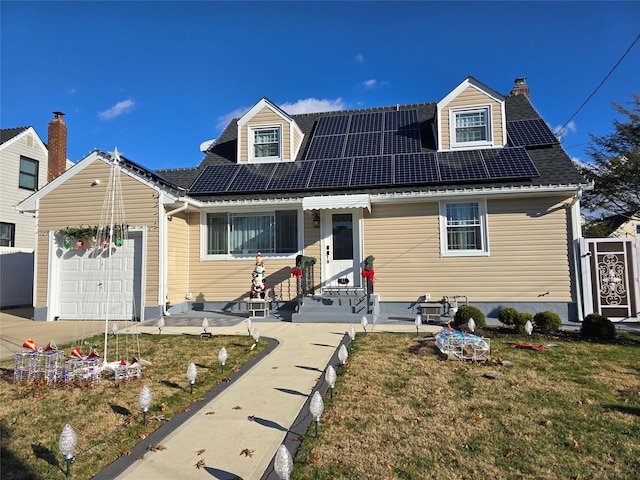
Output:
(470, 196)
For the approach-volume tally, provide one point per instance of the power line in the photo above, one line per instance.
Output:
(598, 87)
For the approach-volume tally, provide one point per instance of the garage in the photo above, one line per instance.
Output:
(84, 274)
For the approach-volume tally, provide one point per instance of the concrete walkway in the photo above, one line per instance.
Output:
(271, 396)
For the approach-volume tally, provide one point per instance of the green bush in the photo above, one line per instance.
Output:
(466, 312)
(520, 321)
(547, 322)
(507, 315)
(595, 325)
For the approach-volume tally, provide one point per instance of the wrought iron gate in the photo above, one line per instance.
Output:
(611, 277)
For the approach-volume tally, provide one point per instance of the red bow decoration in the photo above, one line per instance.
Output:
(369, 275)
(296, 272)
(76, 352)
(30, 344)
(50, 346)
(93, 354)
(122, 362)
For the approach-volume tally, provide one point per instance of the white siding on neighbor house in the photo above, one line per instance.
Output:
(25, 144)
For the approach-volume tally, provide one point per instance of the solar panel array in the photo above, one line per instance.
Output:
(529, 133)
(368, 171)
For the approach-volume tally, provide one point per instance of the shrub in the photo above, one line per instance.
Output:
(507, 315)
(547, 322)
(520, 320)
(466, 312)
(595, 325)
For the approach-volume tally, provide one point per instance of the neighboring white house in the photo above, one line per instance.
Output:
(26, 165)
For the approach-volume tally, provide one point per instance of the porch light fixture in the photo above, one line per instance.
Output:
(67, 445)
(192, 373)
(316, 407)
(330, 377)
(145, 402)
(222, 358)
(316, 219)
(283, 463)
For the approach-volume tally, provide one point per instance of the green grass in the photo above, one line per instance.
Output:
(106, 416)
(402, 412)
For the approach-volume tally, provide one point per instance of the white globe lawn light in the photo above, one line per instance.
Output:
(249, 325)
(283, 463)
(418, 321)
(67, 445)
(471, 324)
(528, 327)
(114, 329)
(316, 407)
(330, 376)
(192, 373)
(222, 358)
(364, 322)
(145, 402)
(160, 325)
(205, 324)
(352, 336)
(256, 337)
(343, 355)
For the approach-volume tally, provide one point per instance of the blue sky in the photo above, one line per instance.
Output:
(156, 79)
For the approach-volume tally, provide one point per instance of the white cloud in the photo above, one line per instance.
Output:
(71, 91)
(561, 132)
(359, 58)
(306, 105)
(117, 110)
(370, 83)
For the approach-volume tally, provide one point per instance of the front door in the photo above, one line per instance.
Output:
(341, 248)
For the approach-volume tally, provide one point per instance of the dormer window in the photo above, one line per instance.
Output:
(265, 143)
(471, 127)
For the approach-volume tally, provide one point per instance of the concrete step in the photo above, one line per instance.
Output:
(330, 317)
(333, 305)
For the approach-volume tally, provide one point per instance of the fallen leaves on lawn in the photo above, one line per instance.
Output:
(125, 453)
(210, 413)
(155, 448)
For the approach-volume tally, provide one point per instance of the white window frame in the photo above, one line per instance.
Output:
(204, 236)
(483, 230)
(251, 135)
(453, 116)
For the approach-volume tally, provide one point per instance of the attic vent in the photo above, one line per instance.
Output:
(30, 141)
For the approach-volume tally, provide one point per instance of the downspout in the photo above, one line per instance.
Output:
(168, 215)
(576, 234)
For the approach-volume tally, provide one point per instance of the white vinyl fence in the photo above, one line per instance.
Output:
(16, 277)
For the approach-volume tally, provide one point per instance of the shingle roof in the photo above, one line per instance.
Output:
(7, 134)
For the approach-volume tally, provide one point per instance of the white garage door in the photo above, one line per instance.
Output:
(85, 273)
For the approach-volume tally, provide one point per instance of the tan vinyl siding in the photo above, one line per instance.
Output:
(471, 97)
(297, 141)
(76, 199)
(264, 117)
(230, 280)
(178, 258)
(528, 253)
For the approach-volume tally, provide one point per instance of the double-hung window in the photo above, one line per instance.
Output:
(7, 234)
(246, 233)
(265, 143)
(28, 177)
(471, 127)
(463, 229)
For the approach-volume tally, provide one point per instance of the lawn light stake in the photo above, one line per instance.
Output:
(192, 373)
(283, 463)
(67, 445)
(222, 358)
(330, 377)
(316, 407)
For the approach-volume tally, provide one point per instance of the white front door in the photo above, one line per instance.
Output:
(341, 247)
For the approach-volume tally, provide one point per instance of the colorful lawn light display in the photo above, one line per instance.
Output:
(458, 345)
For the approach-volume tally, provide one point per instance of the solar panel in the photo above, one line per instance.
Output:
(402, 141)
(334, 125)
(526, 133)
(363, 144)
(397, 119)
(331, 173)
(366, 122)
(509, 163)
(372, 171)
(214, 178)
(415, 168)
(252, 177)
(463, 165)
(290, 176)
(326, 147)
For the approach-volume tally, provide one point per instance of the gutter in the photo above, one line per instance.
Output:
(576, 234)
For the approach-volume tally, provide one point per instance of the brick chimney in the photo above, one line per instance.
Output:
(521, 88)
(57, 146)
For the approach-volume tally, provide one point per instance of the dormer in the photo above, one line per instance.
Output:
(267, 134)
(471, 117)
